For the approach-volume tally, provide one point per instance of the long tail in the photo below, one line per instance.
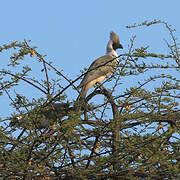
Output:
(83, 93)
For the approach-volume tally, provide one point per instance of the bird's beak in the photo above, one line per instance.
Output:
(120, 46)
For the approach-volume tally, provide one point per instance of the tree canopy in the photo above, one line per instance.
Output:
(126, 129)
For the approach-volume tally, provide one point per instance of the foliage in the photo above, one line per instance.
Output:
(132, 133)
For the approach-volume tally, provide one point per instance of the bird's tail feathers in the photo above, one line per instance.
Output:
(83, 93)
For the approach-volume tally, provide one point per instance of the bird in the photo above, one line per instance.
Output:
(102, 67)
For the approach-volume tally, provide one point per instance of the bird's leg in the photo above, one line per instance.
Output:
(100, 86)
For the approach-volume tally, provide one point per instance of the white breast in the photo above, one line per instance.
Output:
(98, 80)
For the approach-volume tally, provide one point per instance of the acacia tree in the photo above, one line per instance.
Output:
(130, 131)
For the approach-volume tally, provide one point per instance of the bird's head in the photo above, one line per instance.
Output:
(115, 41)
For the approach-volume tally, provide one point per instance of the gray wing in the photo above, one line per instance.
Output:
(104, 65)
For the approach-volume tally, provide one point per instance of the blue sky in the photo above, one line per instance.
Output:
(73, 33)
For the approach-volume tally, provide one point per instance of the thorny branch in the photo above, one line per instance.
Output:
(137, 140)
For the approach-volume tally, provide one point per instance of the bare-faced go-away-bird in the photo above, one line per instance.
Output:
(102, 67)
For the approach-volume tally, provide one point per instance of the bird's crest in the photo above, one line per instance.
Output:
(114, 37)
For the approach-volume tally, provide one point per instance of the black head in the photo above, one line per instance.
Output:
(116, 46)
